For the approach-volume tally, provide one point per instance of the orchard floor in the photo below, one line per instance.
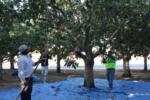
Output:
(72, 89)
(9, 81)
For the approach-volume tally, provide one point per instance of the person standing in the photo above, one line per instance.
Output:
(25, 69)
(110, 64)
(44, 64)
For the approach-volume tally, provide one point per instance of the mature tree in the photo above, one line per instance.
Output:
(90, 23)
(6, 13)
(143, 46)
(87, 23)
(61, 45)
(129, 40)
(3, 51)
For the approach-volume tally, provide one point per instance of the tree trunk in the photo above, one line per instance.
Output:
(58, 64)
(12, 63)
(126, 68)
(88, 74)
(145, 63)
(1, 70)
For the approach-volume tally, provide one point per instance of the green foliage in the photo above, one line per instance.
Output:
(64, 24)
(71, 63)
(133, 38)
(6, 18)
(61, 44)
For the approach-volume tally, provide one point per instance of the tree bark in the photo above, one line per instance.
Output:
(127, 72)
(1, 70)
(12, 63)
(145, 63)
(58, 64)
(88, 74)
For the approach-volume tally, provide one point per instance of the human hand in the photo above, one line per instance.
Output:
(23, 84)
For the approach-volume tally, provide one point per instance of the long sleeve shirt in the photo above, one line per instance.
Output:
(25, 67)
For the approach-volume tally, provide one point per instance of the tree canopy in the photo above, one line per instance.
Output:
(76, 25)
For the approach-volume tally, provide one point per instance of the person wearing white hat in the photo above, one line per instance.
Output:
(25, 69)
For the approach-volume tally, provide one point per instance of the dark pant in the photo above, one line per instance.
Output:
(26, 95)
(110, 77)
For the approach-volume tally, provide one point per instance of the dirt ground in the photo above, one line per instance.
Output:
(9, 81)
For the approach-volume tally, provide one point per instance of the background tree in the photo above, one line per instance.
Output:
(87, 23)
(127, 41)
(61, 45)
(6, 13)
(143, 46)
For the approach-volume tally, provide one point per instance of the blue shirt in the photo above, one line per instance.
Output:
(25, 67)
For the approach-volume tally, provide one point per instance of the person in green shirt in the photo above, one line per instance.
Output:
(110, 64)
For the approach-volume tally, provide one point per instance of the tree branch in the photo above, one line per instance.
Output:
(105, 44)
